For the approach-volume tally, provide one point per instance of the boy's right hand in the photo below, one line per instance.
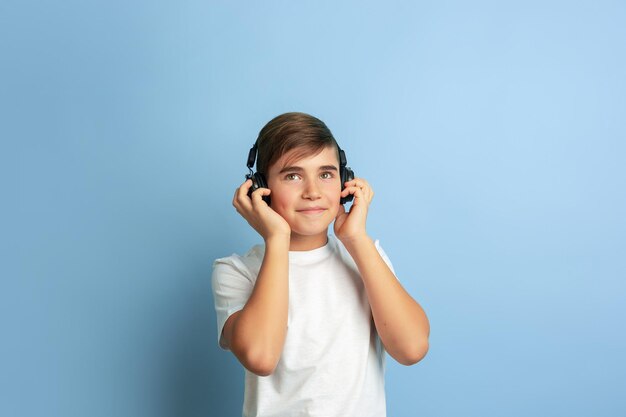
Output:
(258, 214)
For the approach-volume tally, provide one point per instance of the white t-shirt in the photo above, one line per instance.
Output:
(333, 362)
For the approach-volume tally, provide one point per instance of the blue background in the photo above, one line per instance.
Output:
(492, 133)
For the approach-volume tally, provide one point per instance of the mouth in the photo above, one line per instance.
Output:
(312, 210)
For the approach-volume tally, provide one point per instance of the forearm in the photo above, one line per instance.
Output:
(400, 321)
(260, 329)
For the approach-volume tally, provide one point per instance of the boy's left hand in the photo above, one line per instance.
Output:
(350, 226)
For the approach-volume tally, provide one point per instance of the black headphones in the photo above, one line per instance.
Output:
(258, 180)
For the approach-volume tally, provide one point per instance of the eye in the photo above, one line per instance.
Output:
(292, 177)
(326, 175)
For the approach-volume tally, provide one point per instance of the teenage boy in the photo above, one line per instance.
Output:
(310, 315)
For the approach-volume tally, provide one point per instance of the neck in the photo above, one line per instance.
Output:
(305, 243)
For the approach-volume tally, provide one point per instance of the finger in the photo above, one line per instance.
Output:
(348, 190)
(236, 197)
(257, 196)
(359, 182)
(242, 205)
(350, 183)
(242, 191)
(356, 191)
(358, 196)
(368, 192)
(243, 188)
(363, 185)
(241, 196)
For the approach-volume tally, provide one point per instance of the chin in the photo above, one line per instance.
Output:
(309, 231)
(304, 232)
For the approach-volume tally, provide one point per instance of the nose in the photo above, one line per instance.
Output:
(311, 191)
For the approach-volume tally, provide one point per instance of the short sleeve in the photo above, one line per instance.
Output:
(384, 256)
(232, 286)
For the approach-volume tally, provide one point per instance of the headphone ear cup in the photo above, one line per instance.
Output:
(346, 175)
(258, 181)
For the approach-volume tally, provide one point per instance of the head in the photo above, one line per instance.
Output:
(298, 156)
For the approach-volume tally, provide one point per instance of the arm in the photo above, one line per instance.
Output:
(400, 321)
(256, 334)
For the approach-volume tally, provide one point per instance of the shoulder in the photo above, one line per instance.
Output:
(340, 248)
(345, 255)
(246, 265)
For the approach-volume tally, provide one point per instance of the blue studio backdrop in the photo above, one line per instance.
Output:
(492, 133)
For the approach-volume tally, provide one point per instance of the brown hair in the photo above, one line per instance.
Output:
(290, 131)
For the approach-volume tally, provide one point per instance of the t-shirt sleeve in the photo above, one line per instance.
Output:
(232, 286)
(384, 256)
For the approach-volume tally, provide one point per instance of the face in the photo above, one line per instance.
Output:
(306, 194)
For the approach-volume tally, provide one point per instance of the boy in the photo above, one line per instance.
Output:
(310, 315)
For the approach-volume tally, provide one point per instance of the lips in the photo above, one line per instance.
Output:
(311, 210)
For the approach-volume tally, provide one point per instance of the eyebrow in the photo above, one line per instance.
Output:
(299, 169)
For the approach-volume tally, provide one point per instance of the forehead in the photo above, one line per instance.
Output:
(305, 159)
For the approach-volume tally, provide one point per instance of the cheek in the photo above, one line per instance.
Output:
(279, 202)
(334, 210)
(333, 192)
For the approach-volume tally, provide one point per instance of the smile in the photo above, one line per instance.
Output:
(312, 211)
